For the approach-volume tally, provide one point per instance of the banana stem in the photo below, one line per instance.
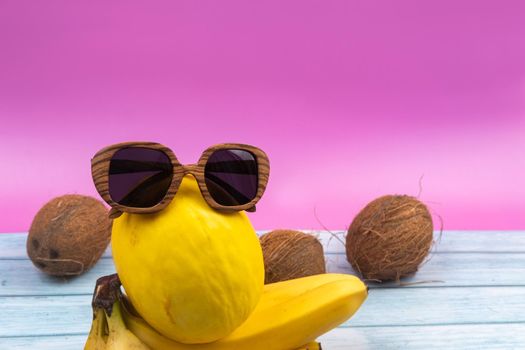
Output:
(107, 292)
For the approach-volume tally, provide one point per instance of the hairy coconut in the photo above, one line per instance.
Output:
(389, 238)
(68, 235)
(290, 254)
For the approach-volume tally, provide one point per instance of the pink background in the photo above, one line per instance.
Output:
(350, 99)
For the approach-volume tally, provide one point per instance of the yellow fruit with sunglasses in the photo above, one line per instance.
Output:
(194, 274)
(190, 261)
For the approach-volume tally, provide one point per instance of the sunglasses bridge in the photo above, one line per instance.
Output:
(189, 168)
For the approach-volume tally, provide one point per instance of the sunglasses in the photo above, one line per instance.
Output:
(143, 177)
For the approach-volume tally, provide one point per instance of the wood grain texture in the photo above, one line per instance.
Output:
(467, 337)
(54, 342)
(384, 308)
(19, 277)
(100, 165)
(464, 337)
(479, 304)
(449, 242)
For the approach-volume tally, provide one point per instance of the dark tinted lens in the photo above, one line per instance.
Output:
(232, 176)
(139, 177)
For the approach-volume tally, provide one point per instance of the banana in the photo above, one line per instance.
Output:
(110, 332)
(120, 338)
(289, 315)
(98, 336)
(311, 346)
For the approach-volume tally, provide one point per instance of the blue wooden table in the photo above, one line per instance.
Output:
(471, 296)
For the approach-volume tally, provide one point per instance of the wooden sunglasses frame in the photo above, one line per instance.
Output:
(100, 172)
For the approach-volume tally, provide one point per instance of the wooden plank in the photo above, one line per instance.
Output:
(474, 337)
(36, 316)
(384, 308)
(465, 337)
(452, 270)
(20, 277)
(59, 342)
(13, 245)
(441, 306)
(449, 241)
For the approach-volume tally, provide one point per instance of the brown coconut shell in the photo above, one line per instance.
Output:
(68, 235)
(290, 254)
(390, 238)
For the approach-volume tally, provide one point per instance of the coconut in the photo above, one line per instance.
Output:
(389, 238)
(68, 235)
(290, 254)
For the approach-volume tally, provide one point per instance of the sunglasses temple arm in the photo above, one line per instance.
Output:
(114, 213)
(251, 210)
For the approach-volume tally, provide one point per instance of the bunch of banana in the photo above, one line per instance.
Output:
(289, 313)
(109, 332)
(194, 277)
